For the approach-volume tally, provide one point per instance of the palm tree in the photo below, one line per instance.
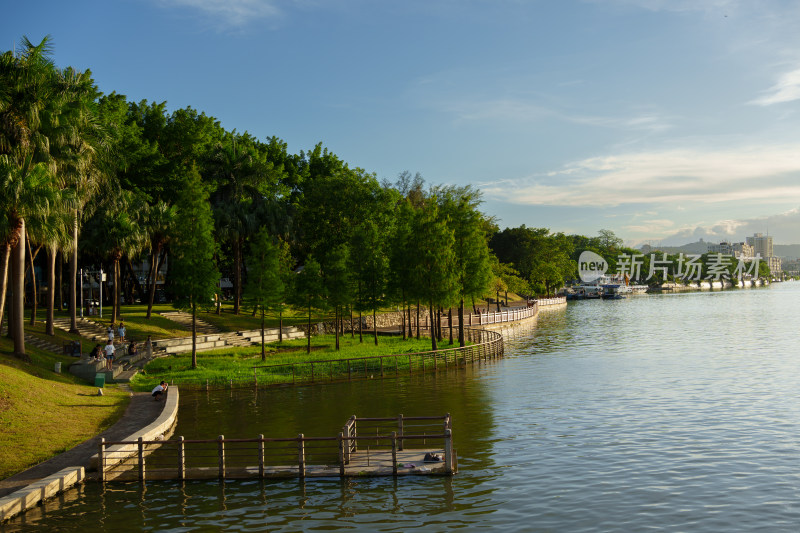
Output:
(30, 93)
(160, 221)
(115, 231)
(238, 170)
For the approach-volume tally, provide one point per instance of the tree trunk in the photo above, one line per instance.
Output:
(336, 325)
(450, 322)
(410, 324)
(497, 301)
(154, 262)
(194, 334)
(115, 295)
(51, 291)
(432, 313)
(263, 350)
(417, 319)
(461, 323)
(280, 325)
(5, 255)
(35, 299)
(352, 326)
(60, 281)
(403, 320)
(308, 347)
(474, 309)
(375, 326)
(360, 328)
(73, 271)
(17, 328)
(237, 275)
(136, 285)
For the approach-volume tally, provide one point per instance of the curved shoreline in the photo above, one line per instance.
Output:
(28, 488)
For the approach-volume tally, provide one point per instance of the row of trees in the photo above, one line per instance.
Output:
(93, 177)
(97, 177)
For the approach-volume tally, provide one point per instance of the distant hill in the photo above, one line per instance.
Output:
(701, 247)
(786, 250)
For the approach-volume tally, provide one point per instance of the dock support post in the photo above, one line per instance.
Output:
(341, 454)
(400, 429)
(101, 460)
(394, 453)
(181, 459)
(221, 448)
(448, 451)
(141, 459)
(261, 456)
(301, 456)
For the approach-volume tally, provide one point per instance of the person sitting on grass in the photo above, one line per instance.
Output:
(160, 389)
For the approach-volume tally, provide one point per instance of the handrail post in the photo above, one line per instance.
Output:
(261, 455)
(394, 453)
(141, 459)
(341, 454)
(101, 460)
(181, 459)
(448, 451)
(255, 378)
(409, 364)
(221, 451)
(301, 456)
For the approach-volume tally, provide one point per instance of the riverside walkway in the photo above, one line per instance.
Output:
(143, 418)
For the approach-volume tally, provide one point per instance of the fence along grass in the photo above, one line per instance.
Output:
(485, 345)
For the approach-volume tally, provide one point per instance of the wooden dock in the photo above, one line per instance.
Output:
(364, 447)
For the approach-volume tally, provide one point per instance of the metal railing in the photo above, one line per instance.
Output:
(355, 451)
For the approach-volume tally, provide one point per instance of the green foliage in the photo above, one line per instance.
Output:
(195, 274)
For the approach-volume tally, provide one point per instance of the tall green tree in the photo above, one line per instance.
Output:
(435, 260)
(265, 290)
(309, 292)
(470, 249)
(338, 284)
(194, 272)
(370, 264)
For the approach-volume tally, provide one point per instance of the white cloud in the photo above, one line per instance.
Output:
(685, 176)
(787, 89)
(783, 227)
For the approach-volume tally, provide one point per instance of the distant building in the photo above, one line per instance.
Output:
(774, 265)
(762, 245)
(736, 249)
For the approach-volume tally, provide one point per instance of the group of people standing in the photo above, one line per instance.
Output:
(108, 352)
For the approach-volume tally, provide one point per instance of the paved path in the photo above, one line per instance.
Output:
(140, 412)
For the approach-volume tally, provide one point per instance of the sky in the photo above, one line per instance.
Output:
(664, 121)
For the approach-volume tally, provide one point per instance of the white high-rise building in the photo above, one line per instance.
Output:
(762, 245)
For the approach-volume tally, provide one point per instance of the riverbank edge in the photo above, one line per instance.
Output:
(36, 492)
(40, 490)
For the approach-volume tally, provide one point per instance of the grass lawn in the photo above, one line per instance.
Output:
(43, 413)
(221, 366)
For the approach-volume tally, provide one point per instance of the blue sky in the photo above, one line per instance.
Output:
(662, 120)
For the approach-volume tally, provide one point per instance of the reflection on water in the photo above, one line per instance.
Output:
(671, 412)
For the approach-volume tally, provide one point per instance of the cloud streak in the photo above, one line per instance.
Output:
(755, 173)
(230, 13)
(787, 89)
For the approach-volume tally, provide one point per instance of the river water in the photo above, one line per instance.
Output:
(658, 412)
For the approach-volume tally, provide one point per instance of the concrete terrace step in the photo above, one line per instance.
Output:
(185, 320)
(86, 328)
(42, 344)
